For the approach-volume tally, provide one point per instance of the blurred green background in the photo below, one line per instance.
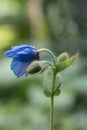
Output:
(59, 25)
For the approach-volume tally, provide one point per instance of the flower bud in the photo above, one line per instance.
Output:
(34, 67)
(66, 63)
(62, 57)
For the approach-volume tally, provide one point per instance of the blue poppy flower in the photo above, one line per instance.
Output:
(22, 56)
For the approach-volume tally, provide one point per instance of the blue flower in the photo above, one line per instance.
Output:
(22, 56)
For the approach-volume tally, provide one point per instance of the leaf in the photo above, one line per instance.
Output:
(57, 85)
(47, 83)
(64, 64)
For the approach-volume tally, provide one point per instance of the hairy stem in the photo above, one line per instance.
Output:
(52, 101)
(53, 84)
(50, 52)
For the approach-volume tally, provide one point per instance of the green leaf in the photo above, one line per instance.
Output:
(57, 85)
(47, 93)
(47, 83)
(66, 63)
(57, 92)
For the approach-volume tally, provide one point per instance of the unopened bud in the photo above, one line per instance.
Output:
(66, 63)
(34, 67)
(62, 57)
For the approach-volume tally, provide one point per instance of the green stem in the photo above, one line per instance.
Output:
(48, 64)
(53, 85)
(52, 101)
(51, 112)
(50, 52)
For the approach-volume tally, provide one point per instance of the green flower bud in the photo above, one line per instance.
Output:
(66, 63)
(62, 57)
(34, 67)
(37, 66)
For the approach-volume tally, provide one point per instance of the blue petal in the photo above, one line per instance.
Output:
(24, 53)
(19, 68)
(22, 47)
(10, 53)
(22, 56)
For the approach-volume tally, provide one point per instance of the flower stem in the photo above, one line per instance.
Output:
(51, 112)
(53, 84)
(50, 52)
(52, 101)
